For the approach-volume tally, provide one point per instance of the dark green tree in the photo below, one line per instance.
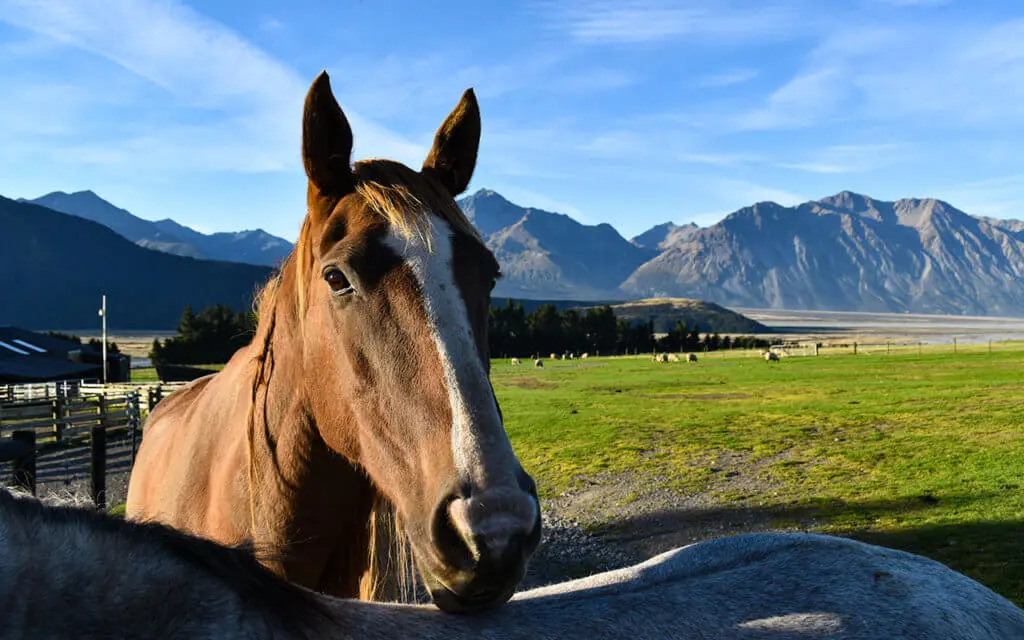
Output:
(546, 330)
(211, 336)
(601, 330)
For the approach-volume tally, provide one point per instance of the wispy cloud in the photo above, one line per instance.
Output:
(801, 102)
(849, 158)
(728, 78)
(1000, 197)
(638, 21)
(270, 23)
(972, 76)
(246, 105)
(605, 22)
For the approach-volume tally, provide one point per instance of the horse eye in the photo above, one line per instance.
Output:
(337, 281)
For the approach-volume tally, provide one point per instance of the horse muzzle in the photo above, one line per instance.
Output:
(484, 540)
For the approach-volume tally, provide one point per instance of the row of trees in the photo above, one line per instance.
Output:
(513, 332)
(209, 337)
(683, 338)
(214, 334)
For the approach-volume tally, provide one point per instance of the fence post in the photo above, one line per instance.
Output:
(57, 413)
(98, 467)
(101, 410)
(25, 465)
(854, 348)
(954, 345)
(989, 347)
(134, 410)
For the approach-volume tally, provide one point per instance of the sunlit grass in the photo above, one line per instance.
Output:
(923, 452)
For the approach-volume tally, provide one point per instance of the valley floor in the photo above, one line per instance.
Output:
(875, 327)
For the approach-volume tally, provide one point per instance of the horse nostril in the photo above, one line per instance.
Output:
(447, 538)
(526, 483)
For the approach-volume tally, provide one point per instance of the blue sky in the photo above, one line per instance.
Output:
(625, 112)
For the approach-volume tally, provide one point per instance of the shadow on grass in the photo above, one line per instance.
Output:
(991, 552)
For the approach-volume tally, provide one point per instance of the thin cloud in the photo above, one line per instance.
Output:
(248, 102)
(1000, 197)
(728, 78)
(851, 158)
(803, 101)
(618, 22)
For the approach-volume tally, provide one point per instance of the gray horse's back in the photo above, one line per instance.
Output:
(781, 586)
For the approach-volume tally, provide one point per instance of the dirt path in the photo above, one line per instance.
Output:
(617, 520)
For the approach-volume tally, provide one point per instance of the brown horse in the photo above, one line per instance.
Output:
(365, 388)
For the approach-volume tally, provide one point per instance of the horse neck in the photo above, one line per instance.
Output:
(298, 484)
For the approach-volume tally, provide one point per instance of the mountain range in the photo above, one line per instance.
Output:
(54, 267)
(251, 247)
(847, 252)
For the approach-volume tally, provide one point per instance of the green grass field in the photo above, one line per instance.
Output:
(918, 452)
(148, 374)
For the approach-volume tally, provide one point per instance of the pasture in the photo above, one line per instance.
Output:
(921, 452)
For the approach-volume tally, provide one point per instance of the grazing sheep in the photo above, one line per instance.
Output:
(584, 356)
(538, 363)
(691, 357)
(771, 356)
(554, 356)
(516, 361)
(673, 357)
(659, 357)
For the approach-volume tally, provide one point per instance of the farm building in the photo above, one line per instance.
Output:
(26, 356)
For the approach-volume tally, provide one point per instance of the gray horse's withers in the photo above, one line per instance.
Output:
(68, 573)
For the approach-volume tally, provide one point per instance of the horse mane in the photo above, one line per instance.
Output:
(406, 200)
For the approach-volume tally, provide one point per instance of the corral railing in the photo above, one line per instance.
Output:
(63, 434)
(38, 390)
(150, 393)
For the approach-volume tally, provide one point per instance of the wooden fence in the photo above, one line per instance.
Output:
(151, 393)
(47, 418)
(38, 390)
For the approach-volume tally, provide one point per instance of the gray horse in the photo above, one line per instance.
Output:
(71, 573)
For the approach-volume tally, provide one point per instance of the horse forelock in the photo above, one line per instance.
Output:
(401, 197)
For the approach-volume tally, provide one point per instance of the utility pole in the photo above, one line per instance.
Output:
(103, 314)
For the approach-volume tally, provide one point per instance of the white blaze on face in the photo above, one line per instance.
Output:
(480, 445)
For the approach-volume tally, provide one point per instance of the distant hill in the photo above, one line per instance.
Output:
(665, 312)
(54, 268)
(550, 255)
(664, 235)
(250, 247)
(846, 252)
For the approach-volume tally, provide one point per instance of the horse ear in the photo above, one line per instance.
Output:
(326, 140)
(453, 156)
